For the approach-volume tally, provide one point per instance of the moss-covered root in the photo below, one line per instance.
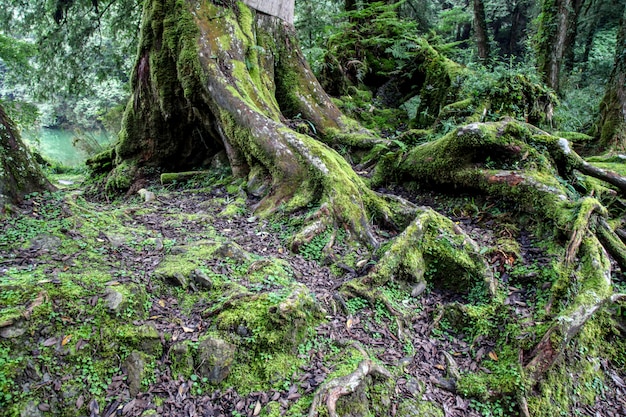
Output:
(580, 227)
(331, 391)
(612, 243)
(593, 278)
(433, 248)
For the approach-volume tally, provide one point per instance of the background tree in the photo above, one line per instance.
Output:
(555, 37)
(90, 44)
(480, 30)
(19, 172)
(611, 128)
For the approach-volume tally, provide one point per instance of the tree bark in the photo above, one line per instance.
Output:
(611, 127)
(557, 20)
(19, 173)
(211, 78)
(480, 30)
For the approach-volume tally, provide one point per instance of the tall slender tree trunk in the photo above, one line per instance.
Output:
(611, 127)
(557, 20)
(19, 173)
(480, 30)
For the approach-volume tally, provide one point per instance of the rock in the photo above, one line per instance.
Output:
(13, 331)
(215, 357)
(233, 251)
(258, 183)
(414, 387)
(115, 300)
(201, 279)
(45, 243)
(116, 241)
(148, 196)
(178, 279)
(149, 339)
(418, 289)
(409, 408)
(31, 410)
(220, 160)
(135, 367)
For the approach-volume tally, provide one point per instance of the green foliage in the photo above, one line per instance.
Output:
(8, 370)
(373, 41)
(50, 219)
(510, 89)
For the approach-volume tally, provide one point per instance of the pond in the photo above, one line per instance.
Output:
(59, 145)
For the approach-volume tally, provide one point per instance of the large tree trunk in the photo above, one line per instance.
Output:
(19, 173)
(211, 78)
(557, 21)
(611, 128)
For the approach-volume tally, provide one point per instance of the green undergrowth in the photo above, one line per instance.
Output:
(57, 304)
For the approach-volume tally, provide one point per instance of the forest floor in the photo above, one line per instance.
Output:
(78, 278)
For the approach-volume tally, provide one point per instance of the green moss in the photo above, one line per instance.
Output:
(275, 321)
(145, 338)
(121, 177)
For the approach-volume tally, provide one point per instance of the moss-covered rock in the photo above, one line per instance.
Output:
(215, 357)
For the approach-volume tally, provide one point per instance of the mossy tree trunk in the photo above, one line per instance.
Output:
(19, 173)
(557, 21)
(210, 77)
(611, 127)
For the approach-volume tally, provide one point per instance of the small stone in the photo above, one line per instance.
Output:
(114, 300)
(413, 386)
(242, 331)
(45, 243)
(201, 279)
(31, 410)
(220, 160)
(148, 196)
(12, 332)
(215, 357)
(418, 289)
(116, 241)
(135, 368)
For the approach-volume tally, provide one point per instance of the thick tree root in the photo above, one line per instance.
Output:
(612, 243)
(581, 227)
(331, 391)
(594, 280)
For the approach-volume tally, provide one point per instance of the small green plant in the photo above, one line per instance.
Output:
(356, 304)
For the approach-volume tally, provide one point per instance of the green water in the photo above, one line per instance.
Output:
(56, 144)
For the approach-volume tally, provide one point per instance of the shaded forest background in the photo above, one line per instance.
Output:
(67, 64)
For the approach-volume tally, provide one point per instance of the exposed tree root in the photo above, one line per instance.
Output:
(331, 391)
(611, 242)
(595, 293)
(581, 228)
